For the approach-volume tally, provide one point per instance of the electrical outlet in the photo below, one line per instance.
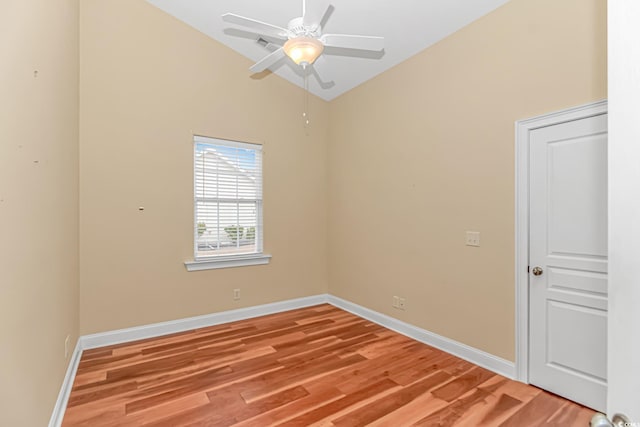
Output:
(66, 346)
(399, 303)
(473, 238)
(236, 294)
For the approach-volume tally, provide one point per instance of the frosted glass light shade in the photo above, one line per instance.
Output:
(303, 50)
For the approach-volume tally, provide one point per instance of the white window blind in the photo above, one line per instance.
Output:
(228, 198)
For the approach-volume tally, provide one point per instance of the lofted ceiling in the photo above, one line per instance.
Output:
(408, 27)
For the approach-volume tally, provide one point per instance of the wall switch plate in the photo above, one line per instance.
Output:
(473, 238)
(236, 294)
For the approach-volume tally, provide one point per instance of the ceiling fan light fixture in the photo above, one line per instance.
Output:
(303, 50)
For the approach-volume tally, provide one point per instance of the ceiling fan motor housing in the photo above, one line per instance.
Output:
(297, 28)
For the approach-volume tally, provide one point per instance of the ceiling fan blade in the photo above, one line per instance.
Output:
(272, 46)
(314, 12)
(267, 61)
(320, 67)
(353, 42)
(257, 26)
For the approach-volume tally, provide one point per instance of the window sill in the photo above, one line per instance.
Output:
(227, 262)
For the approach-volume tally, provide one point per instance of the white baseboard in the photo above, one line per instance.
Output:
(65, 390)
(463, 351)
(85, 342)
(181, 325)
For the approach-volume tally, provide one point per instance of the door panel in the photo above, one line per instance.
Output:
(568, 240)
(562, 279)
(568, 344)
(577, 195)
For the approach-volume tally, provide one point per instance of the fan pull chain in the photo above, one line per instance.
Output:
(305, 113)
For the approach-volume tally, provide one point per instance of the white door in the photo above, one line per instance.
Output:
(568, 260)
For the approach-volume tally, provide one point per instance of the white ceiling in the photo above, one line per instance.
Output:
(408, 27)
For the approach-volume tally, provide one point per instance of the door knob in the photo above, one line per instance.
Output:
(537, 271)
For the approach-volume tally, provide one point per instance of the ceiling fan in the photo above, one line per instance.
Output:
(303, 40)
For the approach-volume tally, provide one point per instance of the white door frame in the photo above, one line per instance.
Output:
(523, 131)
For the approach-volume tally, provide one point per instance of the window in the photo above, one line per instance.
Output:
(228, 204)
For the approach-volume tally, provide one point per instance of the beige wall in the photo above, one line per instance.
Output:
(425, 151)
(38, 204)
(148, 82)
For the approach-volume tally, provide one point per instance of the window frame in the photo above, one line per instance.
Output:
(231, 260)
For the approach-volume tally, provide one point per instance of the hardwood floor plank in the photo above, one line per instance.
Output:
(281, 379)
(499, 385)
(571, 415)
(391, 402)
(410, 370)
(353, 399)
(536, 412)
(275, 332)
(316, 366)
(242, 366)
(94, 414)
(244, 411)
(453, 413)
(497, 411)
(370, 371)
(103, 364)
(168, 409)
(202, 339)
(290, 357)
(410, 413)
(380, 348)
(96, 394)
(463, 384)
(96, 353)
(89, 379)
(206, 415)
(193, 384)
(318, 396)
(381, 407)
(151, 367)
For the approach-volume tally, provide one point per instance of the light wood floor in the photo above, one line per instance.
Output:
(314, 366)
